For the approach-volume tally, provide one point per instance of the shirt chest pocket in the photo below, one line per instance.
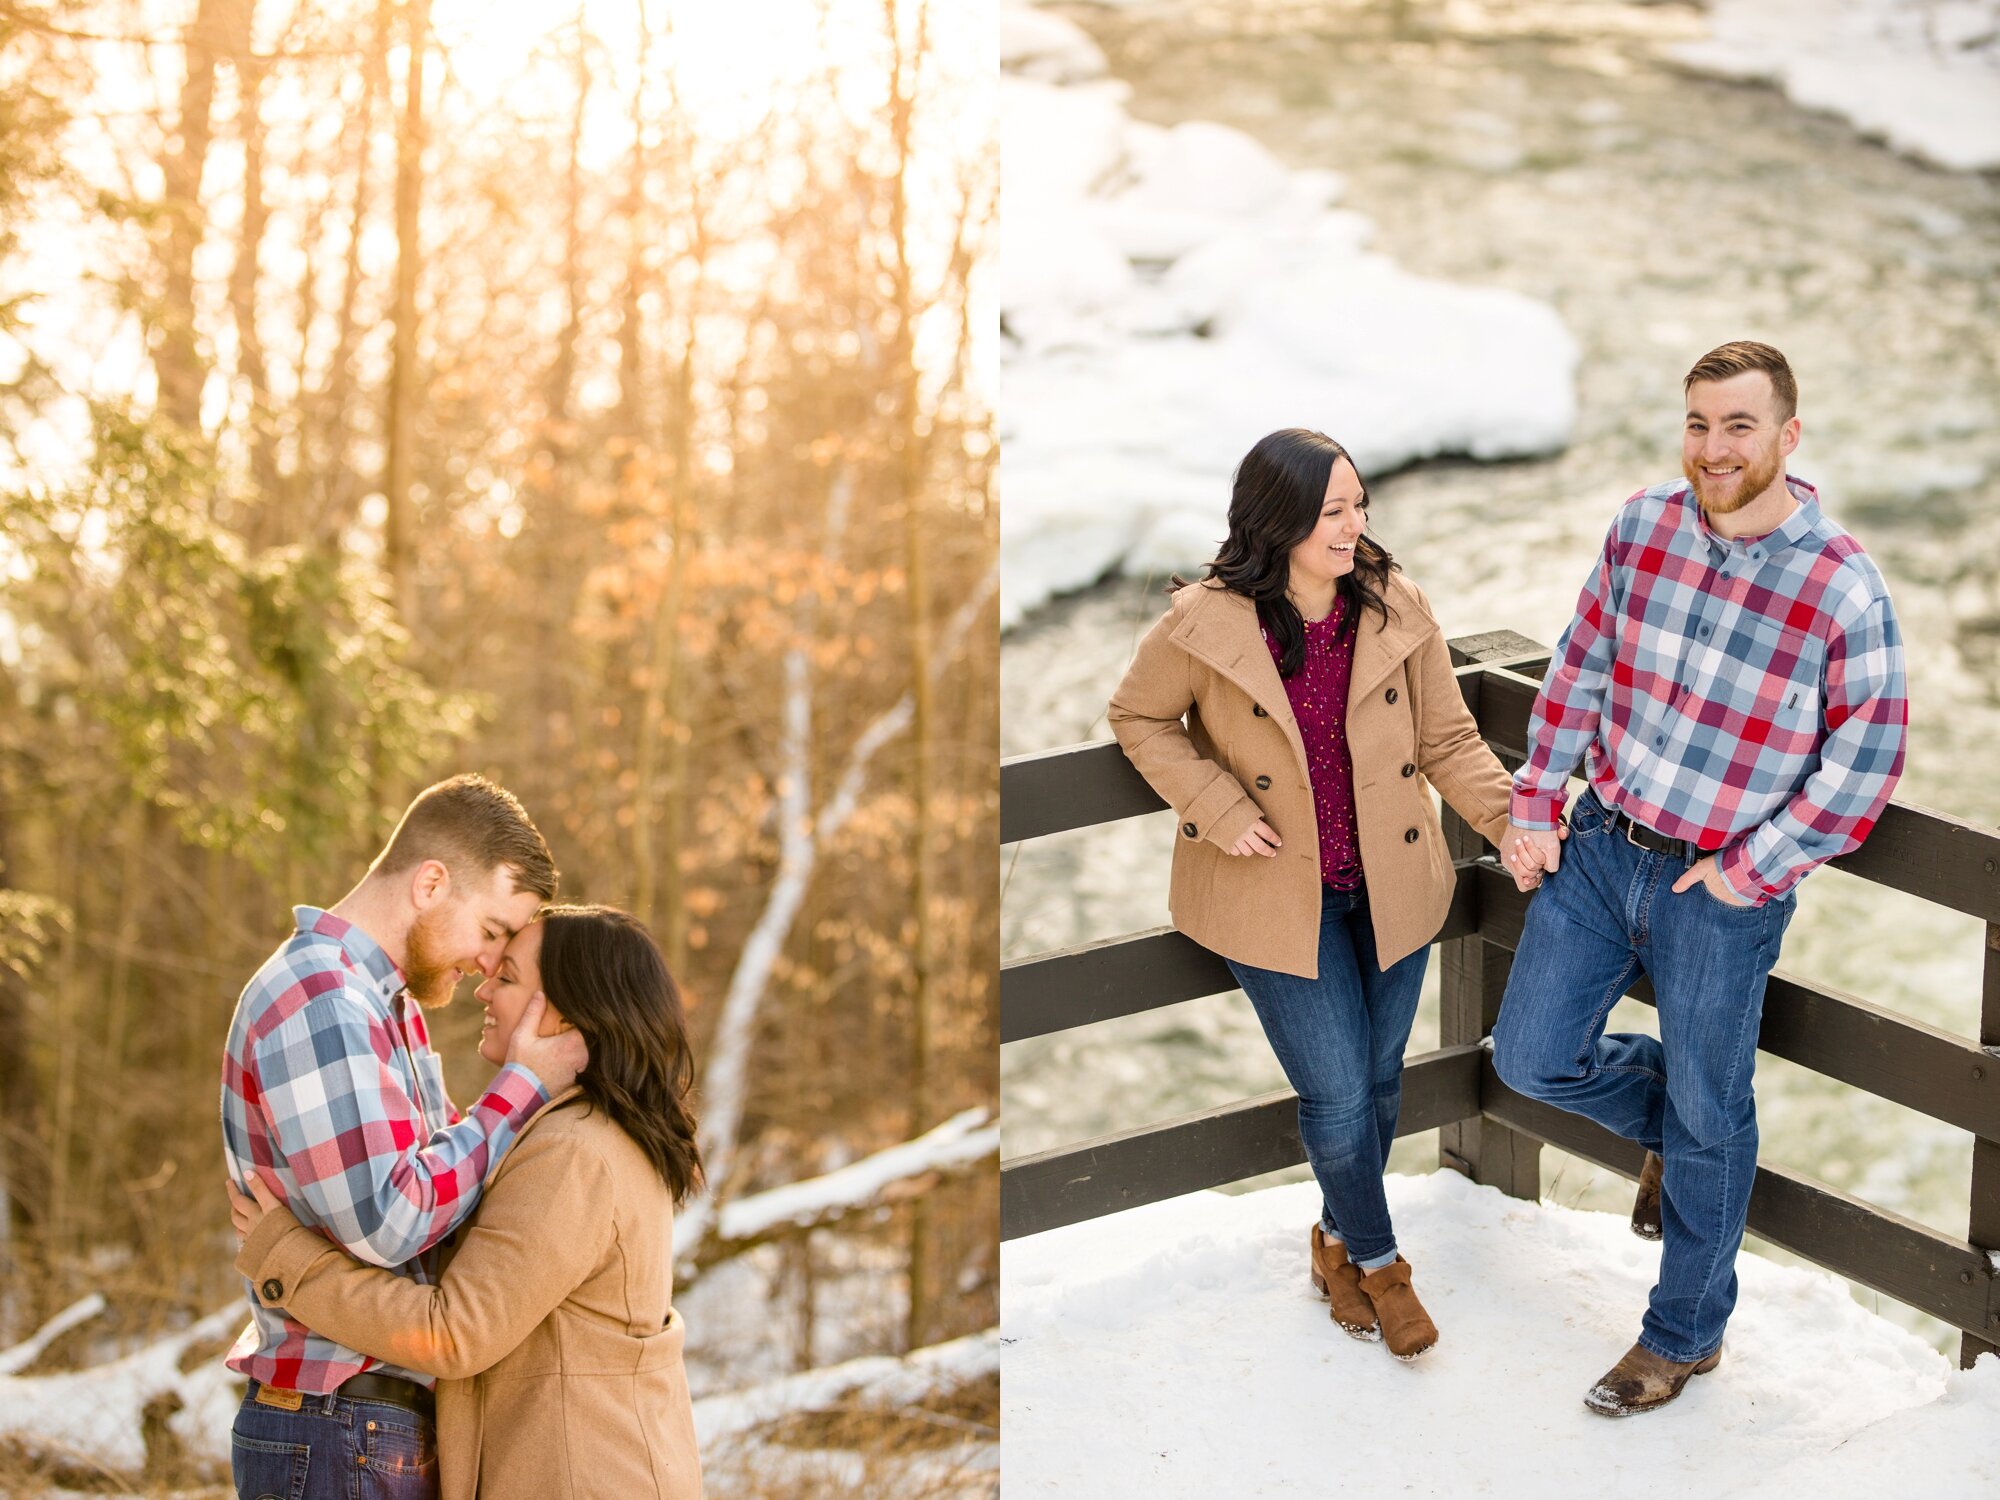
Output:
(1788, 693)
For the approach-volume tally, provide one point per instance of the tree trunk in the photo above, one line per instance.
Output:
(629, 419)
(339, 485)
(660, 714)
(250, 362)
(402, 525)
(220, 27)
(23, 1125)
(908, 461)
(562, 376)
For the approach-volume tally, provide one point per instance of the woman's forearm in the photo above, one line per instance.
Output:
(533, 1239)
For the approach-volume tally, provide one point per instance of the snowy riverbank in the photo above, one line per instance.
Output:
(1919, 75)
(1178, 1350)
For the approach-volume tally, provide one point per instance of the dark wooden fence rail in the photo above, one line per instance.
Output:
(1485, 1129)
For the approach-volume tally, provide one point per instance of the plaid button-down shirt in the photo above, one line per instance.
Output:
(330, 1087)
(1747, 694)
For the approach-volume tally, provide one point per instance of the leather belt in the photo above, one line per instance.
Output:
(393, 1389)
(1647, 838)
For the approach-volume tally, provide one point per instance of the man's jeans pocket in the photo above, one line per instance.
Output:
(1733, 907)
(401, 1450)
(267, 1470)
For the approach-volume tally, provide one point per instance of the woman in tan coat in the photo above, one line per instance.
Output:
(551, 1330)
(1295, 708)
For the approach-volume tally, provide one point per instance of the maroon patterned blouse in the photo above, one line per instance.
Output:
(1318, 693)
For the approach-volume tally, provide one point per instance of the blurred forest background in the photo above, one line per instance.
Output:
(596, 395)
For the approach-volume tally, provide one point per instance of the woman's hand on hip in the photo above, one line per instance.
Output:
(1262, 839)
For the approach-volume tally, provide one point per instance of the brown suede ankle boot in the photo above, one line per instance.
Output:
(1646, 1204)
(1338, 1279)
(1406, 1327)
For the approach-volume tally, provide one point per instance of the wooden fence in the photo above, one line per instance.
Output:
(1486, 1130)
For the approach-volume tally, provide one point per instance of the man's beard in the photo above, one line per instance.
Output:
(1755, 479)
(432, 978)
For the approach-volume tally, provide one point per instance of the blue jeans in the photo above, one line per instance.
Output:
(1609, 911)
(332, 1448)
(1340, 1040)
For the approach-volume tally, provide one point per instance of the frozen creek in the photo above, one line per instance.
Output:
(1550, 149)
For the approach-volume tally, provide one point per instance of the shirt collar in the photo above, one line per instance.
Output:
(1794, 529)
(362, 952)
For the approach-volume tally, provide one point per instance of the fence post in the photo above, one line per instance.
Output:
(1472, 977)
(1984, 1229)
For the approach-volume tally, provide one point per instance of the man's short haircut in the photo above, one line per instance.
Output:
(473, 827)
(1739, 358)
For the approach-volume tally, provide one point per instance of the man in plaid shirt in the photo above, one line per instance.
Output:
(332, 1094)
(1733, 683)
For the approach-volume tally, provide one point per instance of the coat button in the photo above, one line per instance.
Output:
(272, 1289)
(1409, 770)
(1258, 710)
(1391, 695)
(1190, 830)
(1410, 837)
(1263, 783)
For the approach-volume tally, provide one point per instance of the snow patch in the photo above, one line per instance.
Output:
(1922, 75)
(1037, 45)
(881, 1380)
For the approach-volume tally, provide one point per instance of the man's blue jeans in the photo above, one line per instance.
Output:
(1340, 1040)
(1607, 913)
(332, 1448)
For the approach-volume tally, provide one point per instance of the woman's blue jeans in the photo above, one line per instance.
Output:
(1607, 913)
(1340, 1040)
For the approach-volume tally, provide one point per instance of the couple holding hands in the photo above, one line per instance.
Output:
(1733, 685)
(466, 1303)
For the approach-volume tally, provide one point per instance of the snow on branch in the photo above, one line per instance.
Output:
(878, 1380)
(904, 1169)
(25, 1353)
(101, 1413)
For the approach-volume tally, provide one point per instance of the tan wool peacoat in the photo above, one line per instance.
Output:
(1202, 713)
(551, 1330)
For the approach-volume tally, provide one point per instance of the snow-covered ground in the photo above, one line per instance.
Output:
(1921, 75)
(1178, 1350)
(1171, 295)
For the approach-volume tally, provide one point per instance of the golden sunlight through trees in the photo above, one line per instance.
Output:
(595, 395)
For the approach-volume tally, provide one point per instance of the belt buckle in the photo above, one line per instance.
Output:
(1631, 833)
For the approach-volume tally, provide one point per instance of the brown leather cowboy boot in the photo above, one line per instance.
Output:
(1338, 1279)
(1646, 1206)
(1406, 1327)
(1642, 1380)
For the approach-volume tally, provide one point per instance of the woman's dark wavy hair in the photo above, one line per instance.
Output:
(603, 971)
(1273, 506)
